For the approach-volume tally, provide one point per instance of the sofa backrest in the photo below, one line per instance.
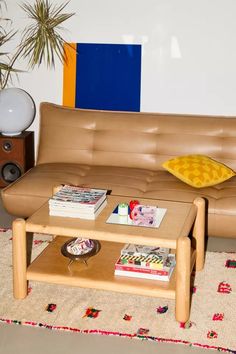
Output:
(129, 139)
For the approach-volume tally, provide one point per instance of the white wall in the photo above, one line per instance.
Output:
(188, 49)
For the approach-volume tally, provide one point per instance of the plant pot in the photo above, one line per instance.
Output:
(17, 111)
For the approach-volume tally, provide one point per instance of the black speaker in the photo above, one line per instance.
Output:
(16, 156)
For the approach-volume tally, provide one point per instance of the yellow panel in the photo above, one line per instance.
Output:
(69, 75)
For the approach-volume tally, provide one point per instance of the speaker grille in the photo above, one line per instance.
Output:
(10, 172)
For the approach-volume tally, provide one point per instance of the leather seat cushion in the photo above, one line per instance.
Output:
(27, 194)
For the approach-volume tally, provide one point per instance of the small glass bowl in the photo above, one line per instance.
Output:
(80, 257)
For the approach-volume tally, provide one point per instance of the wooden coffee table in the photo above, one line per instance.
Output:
(182, 229)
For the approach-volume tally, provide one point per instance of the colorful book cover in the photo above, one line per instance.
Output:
(152, 275)
(151, 262)
(77, 197)
(133, 249)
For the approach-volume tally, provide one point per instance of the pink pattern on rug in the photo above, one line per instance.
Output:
(142, 331)
(212, 334)
(218, 317)
(194, 289)
(51, 307)
(224, 288)
(127, 335)
(162, 309)
(230, 263)
(186, 325)
(91, 312)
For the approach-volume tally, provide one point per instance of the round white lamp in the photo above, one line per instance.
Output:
(17, 111)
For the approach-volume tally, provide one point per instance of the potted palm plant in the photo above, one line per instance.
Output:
(40, 42)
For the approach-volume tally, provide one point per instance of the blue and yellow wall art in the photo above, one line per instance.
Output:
(103, 76)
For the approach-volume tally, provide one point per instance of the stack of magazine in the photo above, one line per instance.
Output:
(77, 202)
(146, 262)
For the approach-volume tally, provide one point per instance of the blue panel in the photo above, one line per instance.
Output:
(108, 76)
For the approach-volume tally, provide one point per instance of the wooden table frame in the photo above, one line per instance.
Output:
(186, 218)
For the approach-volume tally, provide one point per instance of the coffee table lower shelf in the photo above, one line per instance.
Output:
(52, 267)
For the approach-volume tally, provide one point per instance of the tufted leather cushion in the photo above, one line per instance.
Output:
(128, 139)
(38, 183)
(124, 152)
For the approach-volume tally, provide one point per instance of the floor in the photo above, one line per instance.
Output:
(28, 340)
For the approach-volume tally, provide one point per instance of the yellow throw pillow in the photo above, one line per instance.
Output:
(198, 170)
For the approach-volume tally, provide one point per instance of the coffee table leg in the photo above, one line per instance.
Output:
(19, 259)
(199, 233)
(182, 301)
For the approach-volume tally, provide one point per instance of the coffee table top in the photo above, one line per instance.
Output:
(177, 222)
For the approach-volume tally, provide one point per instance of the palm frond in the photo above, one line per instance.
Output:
(6, 74)
(6, 37)
(6, 67)
(41, 40)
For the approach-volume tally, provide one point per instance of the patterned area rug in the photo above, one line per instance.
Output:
(213, 313)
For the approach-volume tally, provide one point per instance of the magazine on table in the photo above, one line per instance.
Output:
(78, 198)
(81, 214)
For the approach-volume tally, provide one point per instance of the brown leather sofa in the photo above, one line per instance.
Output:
(123, 152)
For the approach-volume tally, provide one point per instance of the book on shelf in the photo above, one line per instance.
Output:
(78, 198)
(163, 266)
(136, 271)
(133, 268)
(144, 275)
(145, 256)
(145, 262)
(90, 215)
(132, 249)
